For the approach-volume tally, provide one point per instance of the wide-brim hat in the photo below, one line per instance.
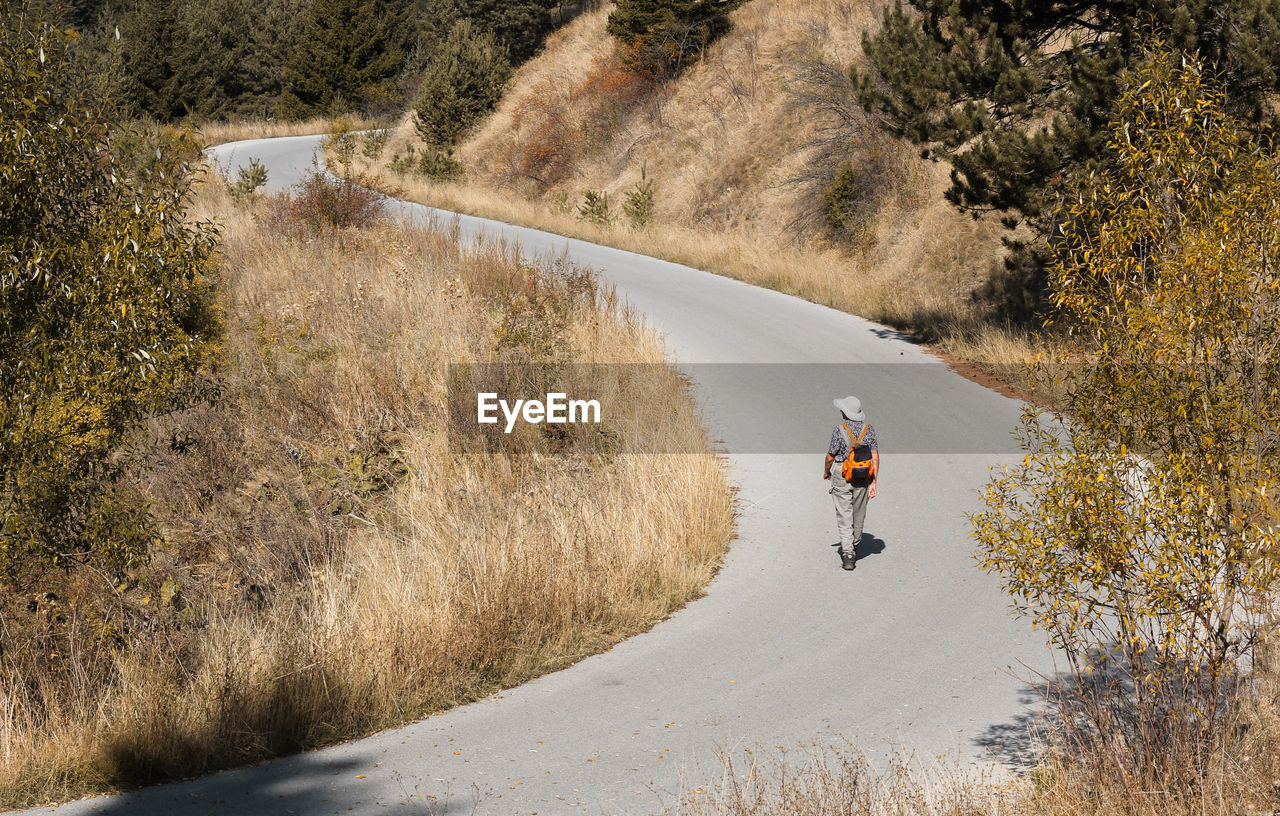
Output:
(851, 407)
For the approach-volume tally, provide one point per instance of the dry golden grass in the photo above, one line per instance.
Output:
(721, 142)
(1077, 774)
(341, 569)
(1086, 774)
(839, 780)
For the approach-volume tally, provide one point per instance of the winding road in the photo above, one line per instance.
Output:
(914, 650)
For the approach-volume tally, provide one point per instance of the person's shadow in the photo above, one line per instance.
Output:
(868, 545)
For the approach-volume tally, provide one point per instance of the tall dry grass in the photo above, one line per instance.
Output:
(331, 565)
(839, 780)
(1124, 772)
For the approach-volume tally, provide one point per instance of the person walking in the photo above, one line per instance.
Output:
(852, 441)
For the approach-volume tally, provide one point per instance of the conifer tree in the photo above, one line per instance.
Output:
(663, 37)
(1016, 94)
(153, 40)
(518, 25)
(344, 48)
(82, 13)
(463, 83)
(228, 64)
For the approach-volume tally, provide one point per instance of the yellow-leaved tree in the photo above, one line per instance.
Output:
(1137, 531)
(106, 311)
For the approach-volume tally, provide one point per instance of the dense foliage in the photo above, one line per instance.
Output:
(1137, 534)
(663, 37)
(344, 53)
(106, 314)
(289, 58)
(1016, 95)
(518, 25)
(460, 85)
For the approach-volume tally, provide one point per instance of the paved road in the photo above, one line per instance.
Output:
(910, 650)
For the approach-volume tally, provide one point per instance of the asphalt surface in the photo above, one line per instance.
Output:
(914, 651)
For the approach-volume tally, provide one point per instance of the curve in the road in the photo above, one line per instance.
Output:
(912, 650)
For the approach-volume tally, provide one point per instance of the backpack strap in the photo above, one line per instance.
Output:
(858, 441)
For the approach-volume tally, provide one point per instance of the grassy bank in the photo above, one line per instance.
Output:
(329, 566)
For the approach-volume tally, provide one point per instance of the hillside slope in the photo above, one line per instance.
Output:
(741, 149)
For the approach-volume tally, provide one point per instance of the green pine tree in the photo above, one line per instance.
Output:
(461, 84)
(662, 37)
(152, 40)
(82, 13)
(1017, 94)
(230, 63)
(344, 49)
(518, 25)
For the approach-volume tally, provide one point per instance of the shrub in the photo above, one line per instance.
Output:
(342, 143)
(383, 100)
(251, 178)
(439, 165)
(373, 142)
(402, 164)
(535, 319)
(549, 131)
(639, 202)
(849, 202)
(462, 83)
(431, 163)
(611, 93)
(322, 201)
(106, 314)
(563, 205)
(863, 187)
(544, 146)
(152, 153)
(663, 37)
(594, 208)
(1139, 533)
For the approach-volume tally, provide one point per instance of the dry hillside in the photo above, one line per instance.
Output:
(722, 142)
(741, 149)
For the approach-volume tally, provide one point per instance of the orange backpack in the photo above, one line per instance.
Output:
(858, 465)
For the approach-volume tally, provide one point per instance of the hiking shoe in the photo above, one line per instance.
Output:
(847, 561)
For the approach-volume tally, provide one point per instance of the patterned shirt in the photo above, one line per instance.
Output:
(840, 440)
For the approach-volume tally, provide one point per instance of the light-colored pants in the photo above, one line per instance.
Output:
(851, 511)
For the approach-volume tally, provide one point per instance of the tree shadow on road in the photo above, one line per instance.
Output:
(306, 784)
(886, 333)
(1021, 742)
